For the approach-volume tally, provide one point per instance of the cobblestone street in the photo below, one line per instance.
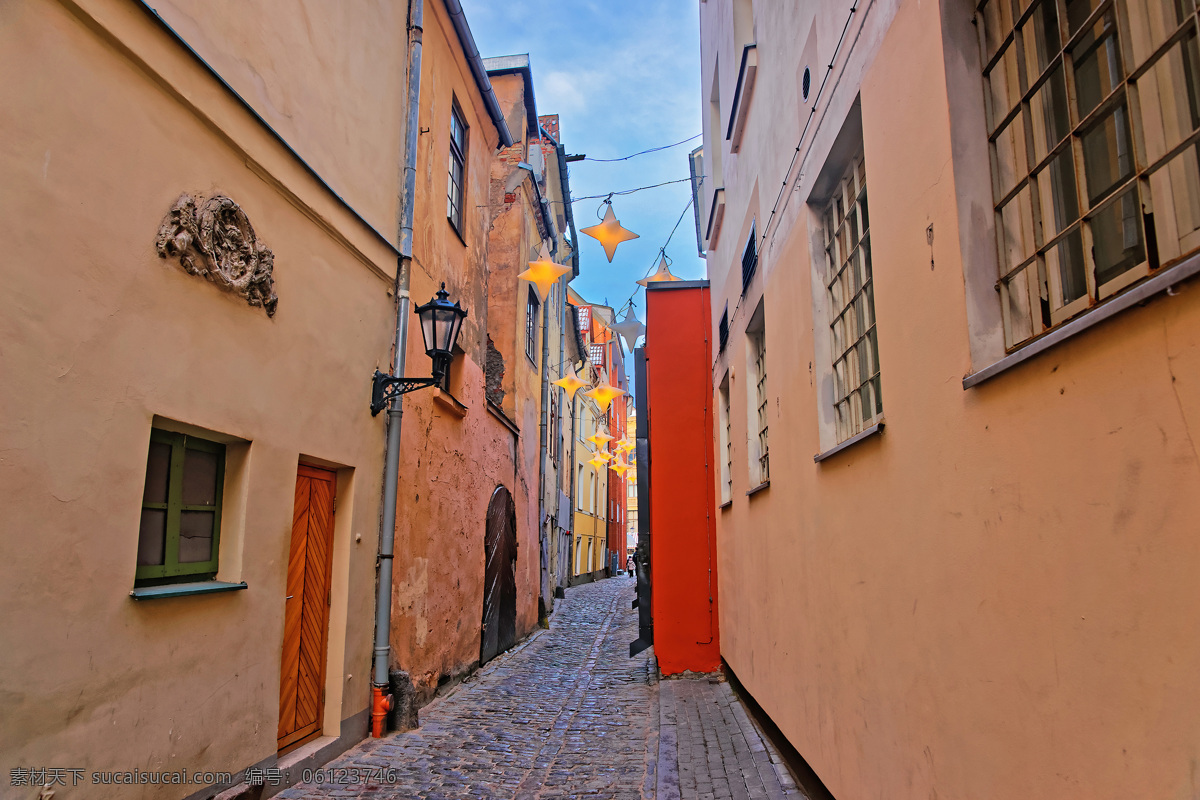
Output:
(568, 714)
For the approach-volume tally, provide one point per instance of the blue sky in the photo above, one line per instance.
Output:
(624, 76)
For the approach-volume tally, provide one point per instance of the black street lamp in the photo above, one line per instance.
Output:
(441, 321)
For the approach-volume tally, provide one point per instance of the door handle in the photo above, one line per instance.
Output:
(289, 597)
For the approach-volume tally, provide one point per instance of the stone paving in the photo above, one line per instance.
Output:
(568, 714)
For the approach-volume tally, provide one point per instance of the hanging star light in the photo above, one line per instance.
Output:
(604, 393)
(597, 463)
(620, 468)
(600, 437)
(625, 446)
(609, 232)
(663, 273)
(630, 328)
(543, 273)
(571, 383)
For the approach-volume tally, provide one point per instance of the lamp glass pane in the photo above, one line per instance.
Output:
(427, 329)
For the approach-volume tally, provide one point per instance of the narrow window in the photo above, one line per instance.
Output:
(531, 325)
(458, 162)
(749, 259)
(723, 330)
(181, 509)
(756, 428)
(552, 433)
(857, 401)
(726, 446)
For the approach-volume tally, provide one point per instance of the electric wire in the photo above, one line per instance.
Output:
(644, 152)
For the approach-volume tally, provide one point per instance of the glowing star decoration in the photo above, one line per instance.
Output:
(625, 446)
(630, 328)
(620, 468)
(543, 273)
(600, 437)
(663, 273)
(609, 233)
(604, 393)
(597, 463)
(571, 383)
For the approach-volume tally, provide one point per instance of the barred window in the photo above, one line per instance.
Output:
(533, 305)
(857, 401)
(1094, 124)
(760, 393)
(725, 431)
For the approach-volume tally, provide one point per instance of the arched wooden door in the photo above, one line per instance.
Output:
(500, 577)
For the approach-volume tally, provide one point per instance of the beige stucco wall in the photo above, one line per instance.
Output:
(995, 598)
(109, 122)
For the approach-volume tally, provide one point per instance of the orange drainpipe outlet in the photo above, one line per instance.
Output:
(381, 704)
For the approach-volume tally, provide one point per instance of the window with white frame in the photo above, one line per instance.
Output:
(725, 431)
(532, 307)
(1093, 113)
(857, 401)
(756, 343)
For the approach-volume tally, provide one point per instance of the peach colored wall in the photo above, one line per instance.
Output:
(341, 108)
(450, 464)
(995, 598)
(109, 122)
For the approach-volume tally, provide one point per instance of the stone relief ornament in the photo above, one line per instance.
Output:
(213, 238)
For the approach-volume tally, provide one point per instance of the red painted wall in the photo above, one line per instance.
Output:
(682, 501)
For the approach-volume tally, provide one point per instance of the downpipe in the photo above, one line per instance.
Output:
(381, 700)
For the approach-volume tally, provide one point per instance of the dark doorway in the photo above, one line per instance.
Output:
(499, 577)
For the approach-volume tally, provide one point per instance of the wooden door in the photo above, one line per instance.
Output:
(306, 609)
(499, 577)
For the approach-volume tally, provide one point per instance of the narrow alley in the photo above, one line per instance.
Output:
(569, 714)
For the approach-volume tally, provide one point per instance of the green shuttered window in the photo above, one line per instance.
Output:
(181, 509)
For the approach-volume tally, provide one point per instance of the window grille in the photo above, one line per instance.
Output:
(749, 260)
(760, 394)
(857, 401)
(1093, 113)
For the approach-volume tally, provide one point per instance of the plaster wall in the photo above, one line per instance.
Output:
(994, 598)
(454, 452)
(110, 121)
(339, 100)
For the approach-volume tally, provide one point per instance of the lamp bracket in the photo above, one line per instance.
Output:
(385, 388)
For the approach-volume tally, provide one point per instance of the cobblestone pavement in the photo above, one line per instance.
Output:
(569, 715)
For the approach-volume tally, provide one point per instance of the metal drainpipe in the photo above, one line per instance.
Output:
(544, 545)
(381, 702)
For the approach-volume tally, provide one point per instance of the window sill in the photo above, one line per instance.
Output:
(499, 414)
(715, 215)
(728, 503)
(450, 402)
(457, 232)
(1139, 294)
(874, 430)
(741, 97)
(184, 589)
(757, 489)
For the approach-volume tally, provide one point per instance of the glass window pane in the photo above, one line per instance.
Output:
(1097, 64)
(878, 396)
(1040, 37)
(200, 478)
(1152, 21)
(1066, 260)
(1049, 115)
(1016, 231)
(1058, 195)
(152, 537)
(1117, 237)
(1078, 12)
(195, 536)
(1107, 155)
(1012, 164)
(862, 208)
(1004, 88)
(1183, 176)
(1169, 99)
(1018, 315)
(158, 467)
(997, 22)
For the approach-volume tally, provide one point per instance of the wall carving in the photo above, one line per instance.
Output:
(213, 238)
